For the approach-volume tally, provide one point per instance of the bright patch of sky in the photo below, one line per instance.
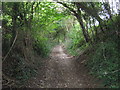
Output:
(115, 5)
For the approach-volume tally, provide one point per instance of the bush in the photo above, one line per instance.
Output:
(104, 63)
(42, 48)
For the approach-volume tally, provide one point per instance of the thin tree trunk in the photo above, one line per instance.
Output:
(79, 18)
(87, 30)
(83, 28)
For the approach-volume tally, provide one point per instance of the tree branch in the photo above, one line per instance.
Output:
(89, 11)
(10, 47)
(71, 9)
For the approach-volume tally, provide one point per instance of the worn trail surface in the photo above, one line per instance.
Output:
(61, 71)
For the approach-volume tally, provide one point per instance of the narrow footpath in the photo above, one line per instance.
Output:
(63, 71)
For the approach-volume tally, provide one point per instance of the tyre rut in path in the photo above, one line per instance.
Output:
(62, 71)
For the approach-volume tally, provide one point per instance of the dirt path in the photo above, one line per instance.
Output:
(63, 71)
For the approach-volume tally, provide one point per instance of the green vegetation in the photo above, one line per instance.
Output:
(29, 29)
(32, 29)
(104, 61)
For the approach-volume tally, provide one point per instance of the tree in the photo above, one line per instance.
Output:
(77, 14)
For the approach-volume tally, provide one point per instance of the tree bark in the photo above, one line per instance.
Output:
(79, 18)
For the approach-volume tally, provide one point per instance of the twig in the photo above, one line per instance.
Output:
(10, 47)
(106, 73)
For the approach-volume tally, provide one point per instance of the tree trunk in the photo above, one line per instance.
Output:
(87, 30)
(79, 18)
(83, 28)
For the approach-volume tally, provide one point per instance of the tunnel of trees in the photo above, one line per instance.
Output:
(30, 30)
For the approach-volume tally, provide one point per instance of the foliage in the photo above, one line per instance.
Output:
(104, 62)
(76, 39)
(41, 46)
(39, 26)
(36, 23)
(43, 25)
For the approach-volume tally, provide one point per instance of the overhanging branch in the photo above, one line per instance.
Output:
(71, 9)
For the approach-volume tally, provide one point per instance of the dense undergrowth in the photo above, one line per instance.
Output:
(103, 61)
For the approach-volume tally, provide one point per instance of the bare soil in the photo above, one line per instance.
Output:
(63, 71)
